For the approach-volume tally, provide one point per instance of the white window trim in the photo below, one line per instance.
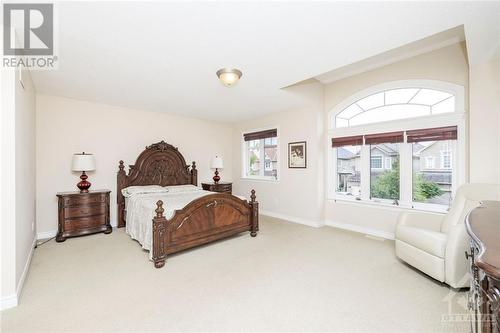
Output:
(457, 118)
(244, 157)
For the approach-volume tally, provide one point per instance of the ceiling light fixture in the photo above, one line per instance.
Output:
(229, 77)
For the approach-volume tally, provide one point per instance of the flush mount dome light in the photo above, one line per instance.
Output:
(229, 77)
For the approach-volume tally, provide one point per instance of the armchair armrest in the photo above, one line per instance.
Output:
(457, 266)
(429, 221)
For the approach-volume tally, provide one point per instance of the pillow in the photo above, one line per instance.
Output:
(181, 188)
(131, 190)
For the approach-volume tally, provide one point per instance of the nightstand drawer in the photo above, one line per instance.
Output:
(84, 222)
(85, 210)
(84, 200)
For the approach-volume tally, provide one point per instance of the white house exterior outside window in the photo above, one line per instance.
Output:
(416, 154)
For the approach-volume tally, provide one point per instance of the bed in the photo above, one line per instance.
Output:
(181, 215)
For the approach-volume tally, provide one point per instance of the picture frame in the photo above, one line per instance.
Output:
(297, 155)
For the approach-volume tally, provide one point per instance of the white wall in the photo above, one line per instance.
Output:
(7, 188)
(17, 181)
(66, 126)
(446, 64)
(25, 171)
(485, 122)
(299, 193)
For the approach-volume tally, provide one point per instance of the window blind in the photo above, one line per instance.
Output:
(432, 134)
(392, 137)
(271, 133)
(347, 141)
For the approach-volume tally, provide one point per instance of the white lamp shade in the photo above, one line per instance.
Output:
(217, 163)
(83, 162)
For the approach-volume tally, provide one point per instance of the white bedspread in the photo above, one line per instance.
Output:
(141, 209)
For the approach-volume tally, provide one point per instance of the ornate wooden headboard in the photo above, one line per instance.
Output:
(159, 164)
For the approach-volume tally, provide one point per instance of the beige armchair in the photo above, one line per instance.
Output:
(435, 244)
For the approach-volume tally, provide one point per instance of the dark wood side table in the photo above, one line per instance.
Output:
(83, 213)
(221, 187)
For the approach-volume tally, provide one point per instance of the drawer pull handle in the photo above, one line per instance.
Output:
(467, 255)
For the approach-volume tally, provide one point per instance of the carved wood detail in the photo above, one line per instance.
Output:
(159, 164)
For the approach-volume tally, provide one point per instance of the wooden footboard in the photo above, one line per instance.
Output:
(204, 220)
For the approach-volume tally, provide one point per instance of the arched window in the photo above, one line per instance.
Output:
(396, 104)
(398, 143)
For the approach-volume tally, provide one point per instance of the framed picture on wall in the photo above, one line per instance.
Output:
(297, 155)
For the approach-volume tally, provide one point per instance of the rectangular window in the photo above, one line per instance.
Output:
(376, 162)
(412, 169)
(432, 185)
(429, 162)
(384, 182)
(446, 159)
(388, 163)
(348, 171)
(261, 155)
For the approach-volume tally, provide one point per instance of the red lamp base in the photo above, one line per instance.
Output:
(216, 178)
(83, 185)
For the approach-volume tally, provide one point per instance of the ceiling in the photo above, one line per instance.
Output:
(162, 56)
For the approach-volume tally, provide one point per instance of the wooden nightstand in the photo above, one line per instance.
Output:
(83, 213)
(221, 187)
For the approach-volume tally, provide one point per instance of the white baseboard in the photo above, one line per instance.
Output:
(318, 224)
(360, 229)
(46, 234)
(20, 284)
(12, 300)
(299, 220)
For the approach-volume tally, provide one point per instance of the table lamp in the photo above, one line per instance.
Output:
(217, 164)
(83, 162)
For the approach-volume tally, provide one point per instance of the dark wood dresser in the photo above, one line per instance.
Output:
(483, 227)
(83, 213)
(221, 187)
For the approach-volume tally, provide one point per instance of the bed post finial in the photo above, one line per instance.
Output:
(159, 210)
(194, 174)
(121, 166)
(253, 196)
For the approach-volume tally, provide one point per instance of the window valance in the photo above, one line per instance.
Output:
(271, 133)
(432, 134)
(428, 134)
(393, 137)
(347, 141)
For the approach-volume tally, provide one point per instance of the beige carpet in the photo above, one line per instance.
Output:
(289, 278)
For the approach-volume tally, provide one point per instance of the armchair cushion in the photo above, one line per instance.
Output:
(432, 242)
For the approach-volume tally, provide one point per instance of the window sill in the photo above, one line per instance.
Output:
(386, 205)
(260, 179)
